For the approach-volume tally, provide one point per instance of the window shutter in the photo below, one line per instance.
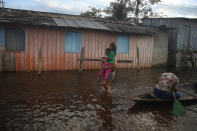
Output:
(123, 44)
(15, 39)
(73, 42)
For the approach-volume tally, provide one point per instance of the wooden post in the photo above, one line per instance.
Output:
(185, 58)
(40, 61)
(98, 60)
(81, 59)
(138, 59)
(2, 59)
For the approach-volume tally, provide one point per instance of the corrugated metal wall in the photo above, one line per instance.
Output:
(184, 34)
(171, 23)
(102, 40)
(192, 34)
(95, 44)
(194, 37)
(177, 36)
(52, 42)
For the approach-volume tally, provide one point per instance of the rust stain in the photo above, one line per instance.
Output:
(52, 42)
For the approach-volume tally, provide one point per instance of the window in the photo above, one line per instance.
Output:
(123, 44)
(15, 39)
(73, 42)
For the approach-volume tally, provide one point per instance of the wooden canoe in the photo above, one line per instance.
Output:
(150, 98)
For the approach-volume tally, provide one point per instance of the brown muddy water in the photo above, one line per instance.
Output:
(69, 101)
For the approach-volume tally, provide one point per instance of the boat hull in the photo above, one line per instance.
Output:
(150, 98)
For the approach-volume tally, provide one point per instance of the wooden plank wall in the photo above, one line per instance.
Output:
(52, 42)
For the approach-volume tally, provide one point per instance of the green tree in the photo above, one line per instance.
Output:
(143, 8)
(92, 12)
(125, 10)
(119, 9)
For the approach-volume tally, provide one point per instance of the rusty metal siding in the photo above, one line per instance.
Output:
(20, 61)
(10, 61)
(53, 56)
(145, 44)
(95, 44)
(51, 41)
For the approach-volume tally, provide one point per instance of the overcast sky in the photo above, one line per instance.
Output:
(171, 8)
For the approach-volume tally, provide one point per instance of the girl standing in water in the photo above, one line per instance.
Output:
(109, 61)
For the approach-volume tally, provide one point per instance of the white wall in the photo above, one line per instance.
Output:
(160, 49)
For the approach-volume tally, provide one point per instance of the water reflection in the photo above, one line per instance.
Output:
(75, 102)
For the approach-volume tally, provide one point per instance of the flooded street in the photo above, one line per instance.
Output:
(69, 101)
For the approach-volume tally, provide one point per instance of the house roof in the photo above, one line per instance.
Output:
(37, 18)
(177, 18)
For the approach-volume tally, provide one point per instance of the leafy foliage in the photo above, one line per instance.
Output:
(143, 8)
(119, 9)
(125, 9)
(93, 12)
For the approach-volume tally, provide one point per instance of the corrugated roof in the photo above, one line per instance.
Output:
(72, 21)
(79, 23)
(178, 18)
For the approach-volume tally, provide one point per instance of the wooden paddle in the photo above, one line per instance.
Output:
(178, 108)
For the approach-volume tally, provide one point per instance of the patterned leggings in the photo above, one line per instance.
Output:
(106, 71)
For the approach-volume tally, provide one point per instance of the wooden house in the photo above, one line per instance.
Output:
(182, 38)
(57, 39)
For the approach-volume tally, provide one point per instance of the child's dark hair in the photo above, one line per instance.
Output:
(107, 49)
(113, 45)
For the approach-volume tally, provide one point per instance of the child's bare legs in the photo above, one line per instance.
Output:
(101, 70)
(107, 85)
(107, 72)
